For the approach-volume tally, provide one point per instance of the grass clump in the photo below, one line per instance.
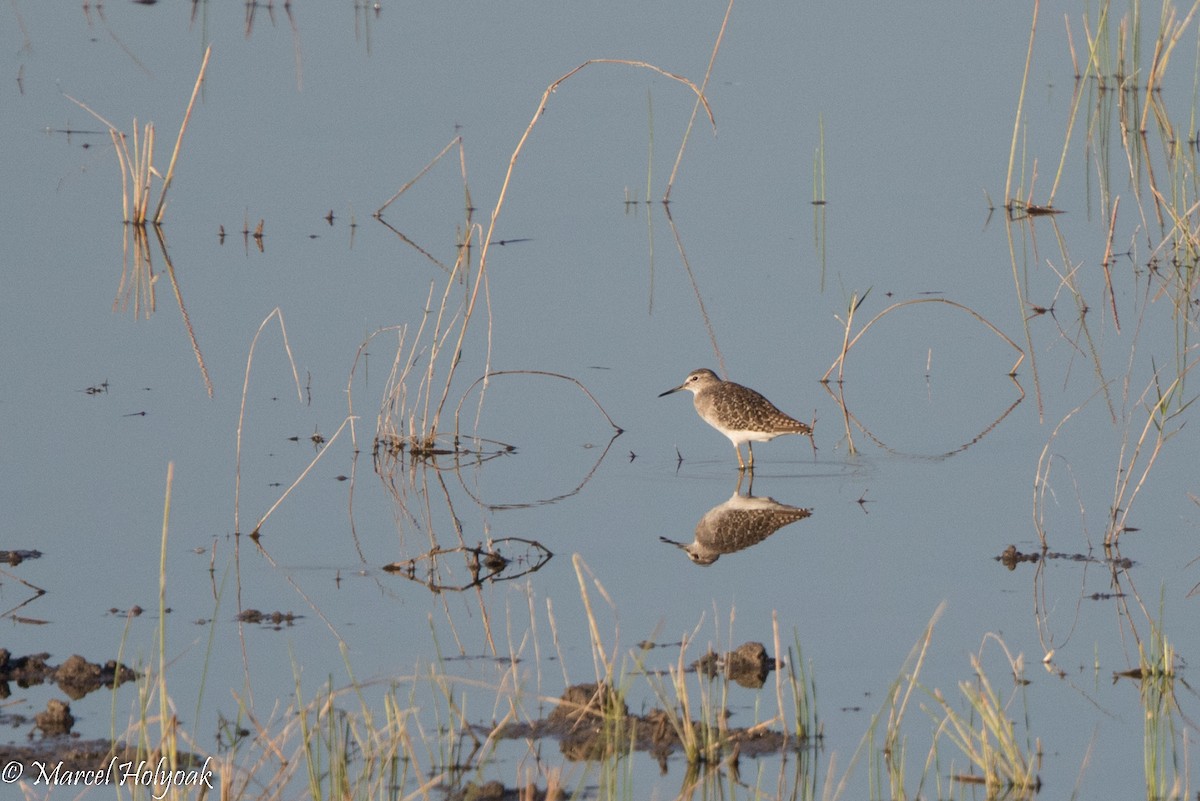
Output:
(1164, 765)
(137, 163)
(988, 737)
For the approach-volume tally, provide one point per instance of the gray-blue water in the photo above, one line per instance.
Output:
(332, 107)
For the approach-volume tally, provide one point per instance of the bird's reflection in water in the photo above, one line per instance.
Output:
(740, 522)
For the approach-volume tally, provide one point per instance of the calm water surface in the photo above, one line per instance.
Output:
(946, 463)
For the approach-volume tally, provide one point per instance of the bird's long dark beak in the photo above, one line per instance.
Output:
(664, 539)
(669, 391)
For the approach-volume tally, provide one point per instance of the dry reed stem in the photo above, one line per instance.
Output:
(490, 375)
(1093, 43)
(276, 313)
(896, 714)
(299, 478)
(1041, 474)
(1012, 153)
(1112, 295)
(487, 238)
(458, 140)
(1076, 99)
(682, 722)
(848, 417)
(121, 168)
(541, 108)
(395, 394)
(1157, 417)
(840, 360)
(1071, 46)
(437, 341)
(911, 670)
(535, 638)
(855, 302)
(162, 198)
(1181, 228)
(1148, 164)
(777, 642)
(687, 266)
(143, 156)
(712, 59)
(1168, 36)
(164, 710)
(358, 354)
(600, 659)
(554, 638)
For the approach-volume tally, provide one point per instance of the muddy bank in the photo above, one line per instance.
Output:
(592, 721)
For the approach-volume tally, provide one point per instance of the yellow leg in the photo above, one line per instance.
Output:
(738, 451)
(750, 447)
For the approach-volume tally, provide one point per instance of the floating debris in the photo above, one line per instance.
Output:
(277, 620)
(76, 677)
